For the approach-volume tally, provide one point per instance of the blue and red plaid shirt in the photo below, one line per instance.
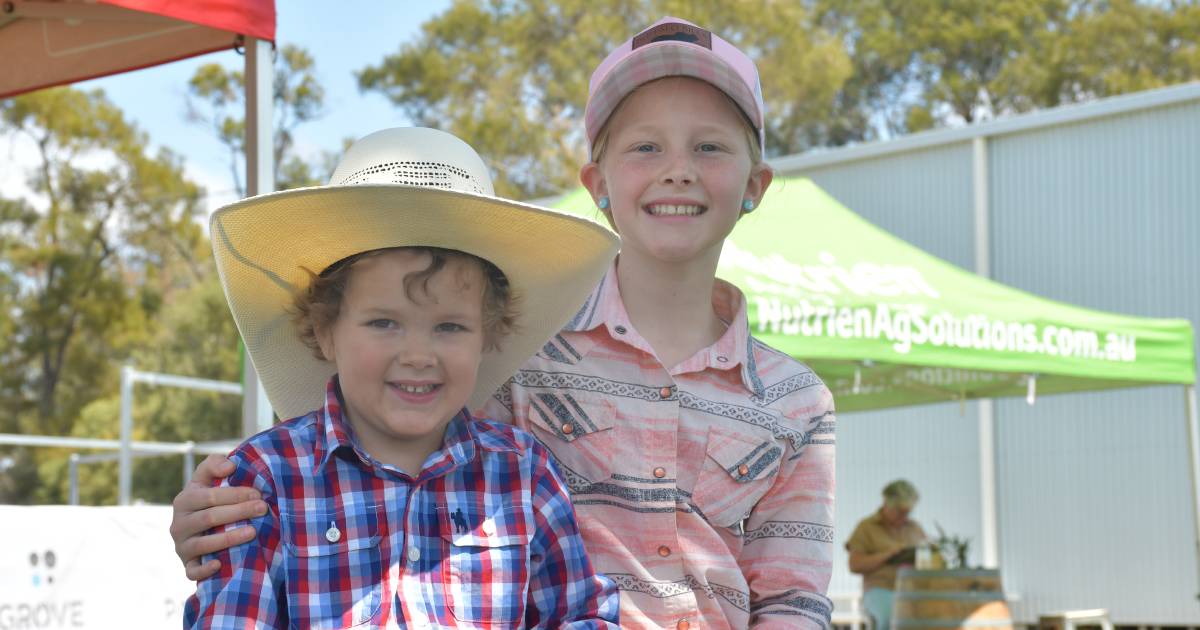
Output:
(484, 537)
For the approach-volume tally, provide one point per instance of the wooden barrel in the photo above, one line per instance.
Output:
(956, 598)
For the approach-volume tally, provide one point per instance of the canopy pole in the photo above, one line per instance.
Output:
(260, 179)
(989, 540)
(989, 525)
(1193, 426)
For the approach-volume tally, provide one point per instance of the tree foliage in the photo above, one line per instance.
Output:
(927, 63)
(93, 268)
(512, 77)
(215, 99)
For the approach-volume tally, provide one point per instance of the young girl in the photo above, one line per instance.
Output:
(699, 460)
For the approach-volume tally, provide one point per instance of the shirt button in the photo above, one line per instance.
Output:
(568, 428)
(620, 330)
(665, 392)
(683, 625)
(664, 551)
(660, 472)
(743, 470)
(414, 554)
(333, 534)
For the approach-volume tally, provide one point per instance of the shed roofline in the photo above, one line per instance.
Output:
(1066, 114)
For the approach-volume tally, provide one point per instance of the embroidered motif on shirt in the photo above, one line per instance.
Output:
(791, 529)
(460, 523)
(675, 588)
(811, 605)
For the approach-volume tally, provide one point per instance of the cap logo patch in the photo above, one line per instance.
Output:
(674, 31)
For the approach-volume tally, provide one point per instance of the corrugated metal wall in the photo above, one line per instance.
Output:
(924, 197)
(1094, 498)
(1094, 492)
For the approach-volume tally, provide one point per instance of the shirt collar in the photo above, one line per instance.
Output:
(735, 348)
(459, 445)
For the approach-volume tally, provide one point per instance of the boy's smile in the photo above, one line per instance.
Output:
(406, 364)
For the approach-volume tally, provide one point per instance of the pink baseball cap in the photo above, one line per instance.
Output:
(673, 47)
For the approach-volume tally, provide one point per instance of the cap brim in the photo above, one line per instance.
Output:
(263, 244)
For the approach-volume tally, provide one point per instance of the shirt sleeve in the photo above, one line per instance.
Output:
(788, 554)
(565, 591)
(247, 592)
(859, 541)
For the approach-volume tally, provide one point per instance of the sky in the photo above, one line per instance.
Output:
(357, 34)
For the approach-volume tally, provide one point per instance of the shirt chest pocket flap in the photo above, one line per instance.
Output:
(486, 563)
(335, 553)
(739, 467)
(577, 427)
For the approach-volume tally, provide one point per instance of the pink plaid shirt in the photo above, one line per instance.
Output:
(705, 491)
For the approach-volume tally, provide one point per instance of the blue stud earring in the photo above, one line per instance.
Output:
(747, 205)
(603, 203)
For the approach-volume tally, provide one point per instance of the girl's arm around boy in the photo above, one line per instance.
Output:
(565, 591)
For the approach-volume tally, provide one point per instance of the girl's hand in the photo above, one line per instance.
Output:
(200, 507)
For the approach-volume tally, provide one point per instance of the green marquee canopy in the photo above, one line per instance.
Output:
(885, 324)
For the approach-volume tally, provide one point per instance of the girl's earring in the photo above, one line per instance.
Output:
(747, 205)
(603, 203)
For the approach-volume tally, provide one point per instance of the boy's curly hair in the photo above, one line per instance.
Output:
(317, 306)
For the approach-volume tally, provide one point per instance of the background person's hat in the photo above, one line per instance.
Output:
(395, 188)
(673, 47)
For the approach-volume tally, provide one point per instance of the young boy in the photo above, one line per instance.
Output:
(388, 504)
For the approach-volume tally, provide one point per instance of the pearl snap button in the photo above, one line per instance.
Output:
(665, 392)
(660, 472)
(414, 554)
(333, 534)
(489, 527)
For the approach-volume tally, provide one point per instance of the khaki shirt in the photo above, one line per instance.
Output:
(872, 536)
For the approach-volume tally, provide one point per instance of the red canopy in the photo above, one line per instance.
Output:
(53, 42)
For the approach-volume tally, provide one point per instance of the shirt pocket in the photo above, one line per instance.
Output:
(739, 467)
(577, 428)
(334, 572)
(485, 567)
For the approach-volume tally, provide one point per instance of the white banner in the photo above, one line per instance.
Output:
(89, 567)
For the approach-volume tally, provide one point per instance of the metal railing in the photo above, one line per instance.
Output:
(126, 448)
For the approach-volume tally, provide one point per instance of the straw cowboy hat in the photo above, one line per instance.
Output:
(395, 188)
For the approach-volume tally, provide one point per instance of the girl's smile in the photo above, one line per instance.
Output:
(676, 168)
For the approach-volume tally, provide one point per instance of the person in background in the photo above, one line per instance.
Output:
(881, 544)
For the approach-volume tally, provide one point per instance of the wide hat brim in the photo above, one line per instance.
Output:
(264, 244)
